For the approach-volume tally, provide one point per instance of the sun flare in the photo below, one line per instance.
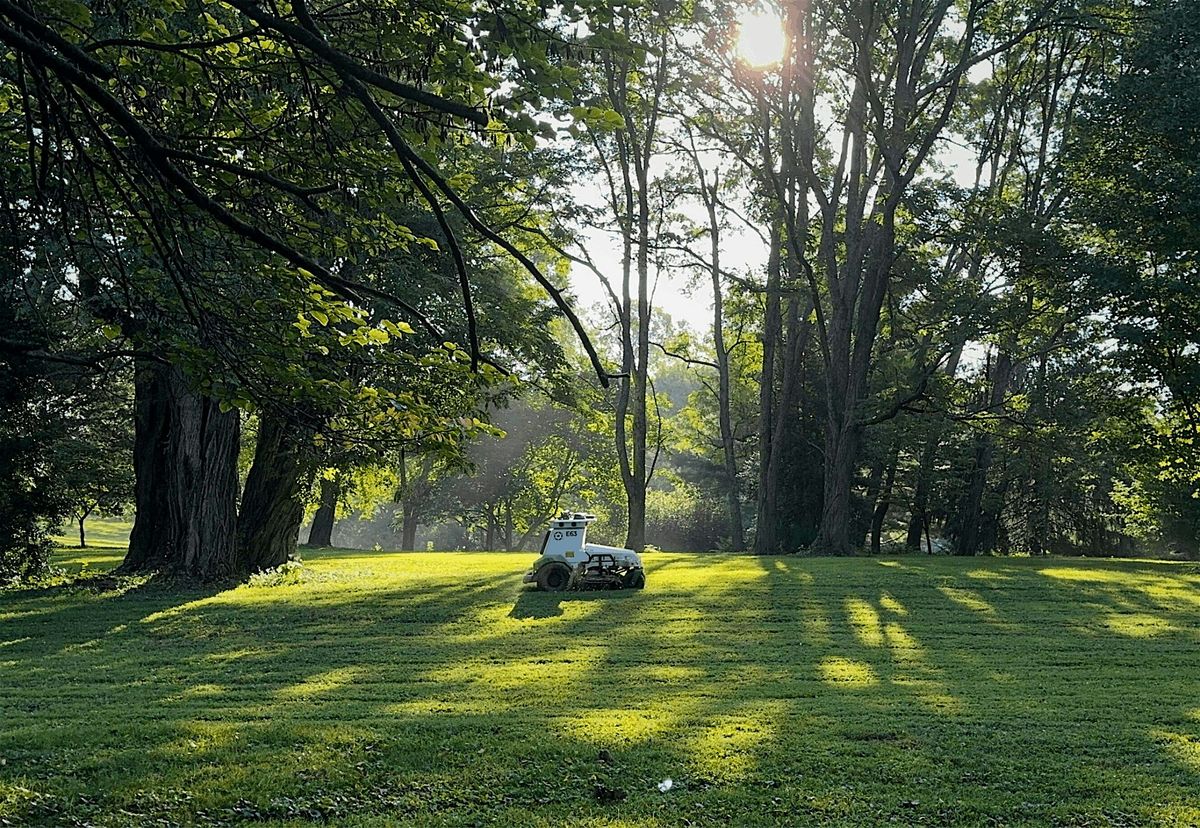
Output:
(761, 41)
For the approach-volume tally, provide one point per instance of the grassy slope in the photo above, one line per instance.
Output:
(428, 689)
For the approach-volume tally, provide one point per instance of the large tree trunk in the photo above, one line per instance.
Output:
(783, 353)
(766, 541)
(841, 455)
(784, 437)
(883, 146)
(843, 434)
(268, 524)
(635, 149)
(737, 534)
(634, 514)
(1040, 541)
(640, 476)
(408, 528)
(489, 535)
(320, 534)
(970, 515)
(185, 465)
(852, 333)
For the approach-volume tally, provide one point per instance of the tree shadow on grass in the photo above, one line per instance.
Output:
(533, 603)
(86, 608)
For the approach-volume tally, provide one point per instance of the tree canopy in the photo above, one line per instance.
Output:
(267, 258)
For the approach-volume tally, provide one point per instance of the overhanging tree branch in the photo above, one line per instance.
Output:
(158, 157)
(404, 150)
(684, 358)
(344, 63)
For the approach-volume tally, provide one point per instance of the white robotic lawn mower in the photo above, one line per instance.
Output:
(569, 562)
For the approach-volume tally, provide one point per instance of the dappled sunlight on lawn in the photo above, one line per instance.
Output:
(841, 672)
(186, 613)
(1140, 605)
(105, 536)
(1182, 747)
(1181, 587)
(991, 575)
(199, 739)
(622, 726)
(230, 656)
(321, 684)
(864, 619)
(91, 559)
(516, 680)
(198, 691)
(728, 745)
(892, 605)
(786, 691)
(904, 647)
(971, 600)
(1137, 624)
(894, 655)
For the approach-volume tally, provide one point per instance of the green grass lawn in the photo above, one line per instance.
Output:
(102, 534)
(429, 689)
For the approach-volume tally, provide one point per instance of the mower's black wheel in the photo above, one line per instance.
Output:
(553, 577)
(635, 580)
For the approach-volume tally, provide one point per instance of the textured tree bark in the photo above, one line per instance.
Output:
(625, 391)
(151, 544)
(185, 465)
(635, 499)
(967, 537)
(842, 437)
(883, 147)
(268, 524)
(783, 351)
(784, 437)
(320, 534)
